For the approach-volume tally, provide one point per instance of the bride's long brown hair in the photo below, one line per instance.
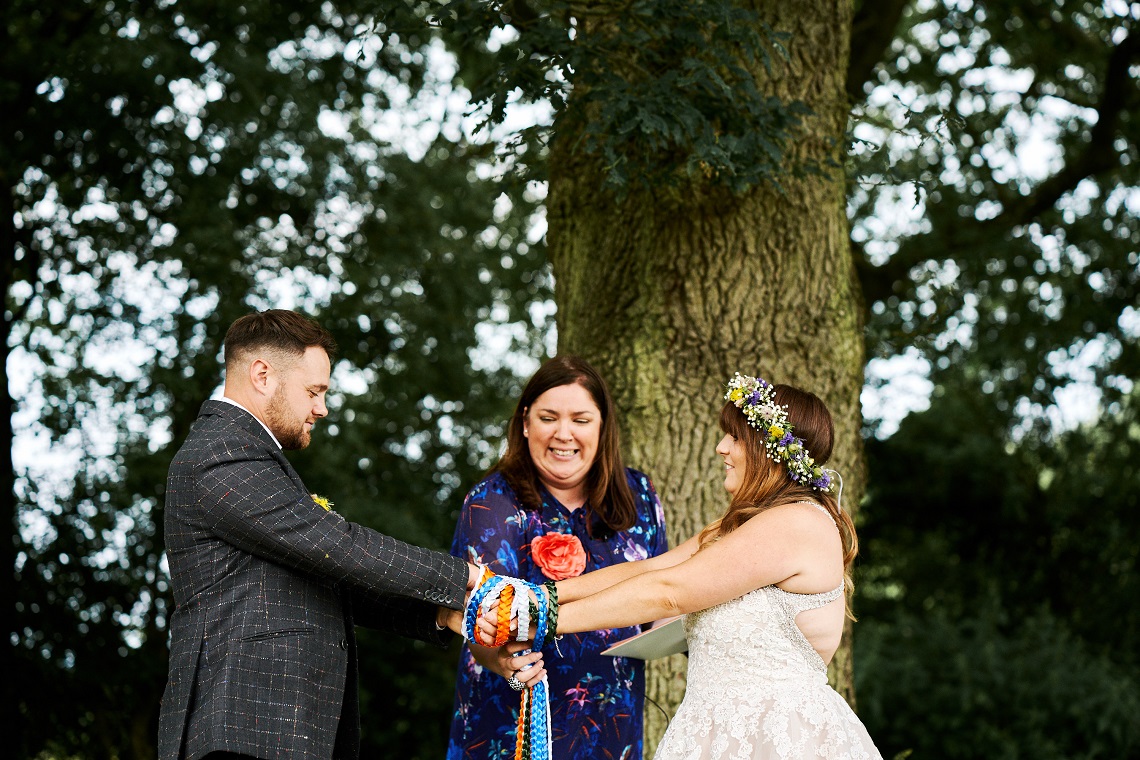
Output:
(767, 483)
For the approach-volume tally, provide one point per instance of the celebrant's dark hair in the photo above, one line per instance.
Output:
(609, 500)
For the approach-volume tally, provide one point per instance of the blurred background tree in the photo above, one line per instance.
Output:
(997, 561)
(998, 582)
(168, 166)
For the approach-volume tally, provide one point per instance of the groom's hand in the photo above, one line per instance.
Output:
(450, 619)
(487, 626)
(473, 574)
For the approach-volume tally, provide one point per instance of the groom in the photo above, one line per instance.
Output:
(268, 583)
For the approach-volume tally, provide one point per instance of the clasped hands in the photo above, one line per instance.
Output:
(513, 660)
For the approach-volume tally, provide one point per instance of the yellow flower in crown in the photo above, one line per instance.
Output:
(776, 431)
(736, 395)
(322, 502)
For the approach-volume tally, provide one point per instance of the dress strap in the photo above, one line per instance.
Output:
(815, 504)
(821, 508)
(803, 602)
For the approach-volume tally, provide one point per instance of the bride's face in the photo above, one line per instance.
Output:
(734, 462)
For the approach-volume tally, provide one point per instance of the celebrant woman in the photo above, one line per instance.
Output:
(764, 590)
(558, 503)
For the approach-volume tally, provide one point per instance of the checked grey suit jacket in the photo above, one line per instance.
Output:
(267, 589)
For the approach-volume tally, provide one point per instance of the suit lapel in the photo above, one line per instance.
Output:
(250, 424)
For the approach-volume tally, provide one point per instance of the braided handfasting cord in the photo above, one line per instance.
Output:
(552, 625)
(512, 595)
(503, 629)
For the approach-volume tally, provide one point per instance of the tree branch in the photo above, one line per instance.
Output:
(872, 31)
(1098, 155)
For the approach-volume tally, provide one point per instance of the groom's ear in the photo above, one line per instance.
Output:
(260, 373)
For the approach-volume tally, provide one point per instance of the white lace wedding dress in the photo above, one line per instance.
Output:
(756, 688)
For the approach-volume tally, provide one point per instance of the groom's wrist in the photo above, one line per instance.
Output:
(474, 572)
(448, 619)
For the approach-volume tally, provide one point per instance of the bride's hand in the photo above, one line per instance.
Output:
(499, 661)
(486, 626)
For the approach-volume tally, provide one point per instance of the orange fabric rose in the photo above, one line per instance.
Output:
(558, 555)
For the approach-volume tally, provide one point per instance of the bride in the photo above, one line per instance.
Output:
(765, 589)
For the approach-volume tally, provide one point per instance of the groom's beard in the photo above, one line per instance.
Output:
(290, 432)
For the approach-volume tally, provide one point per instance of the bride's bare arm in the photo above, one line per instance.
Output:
(776, 546)
(591, 583)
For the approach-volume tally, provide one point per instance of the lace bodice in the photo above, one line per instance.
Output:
(756, 634)
(735, 645)
(757, 690)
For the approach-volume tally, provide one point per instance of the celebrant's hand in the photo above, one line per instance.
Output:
(527, 668)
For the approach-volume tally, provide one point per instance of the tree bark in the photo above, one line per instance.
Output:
(669, 293)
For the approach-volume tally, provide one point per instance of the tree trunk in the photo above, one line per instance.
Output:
(670, 293)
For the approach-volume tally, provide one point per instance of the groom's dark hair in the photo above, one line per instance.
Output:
(277, 330)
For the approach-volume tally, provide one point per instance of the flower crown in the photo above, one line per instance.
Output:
(756, 397)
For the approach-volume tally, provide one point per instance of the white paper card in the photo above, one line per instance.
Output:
(660, 641)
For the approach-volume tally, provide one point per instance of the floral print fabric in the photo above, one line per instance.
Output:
(595, 700)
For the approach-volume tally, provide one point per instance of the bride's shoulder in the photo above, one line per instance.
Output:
(805, 515)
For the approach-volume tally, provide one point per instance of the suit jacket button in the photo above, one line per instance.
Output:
(343, 644)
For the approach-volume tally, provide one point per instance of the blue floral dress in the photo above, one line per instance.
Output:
(595, 700)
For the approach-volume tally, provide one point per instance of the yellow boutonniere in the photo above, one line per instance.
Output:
(322, 502)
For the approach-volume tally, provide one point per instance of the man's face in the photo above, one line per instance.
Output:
(299, 399)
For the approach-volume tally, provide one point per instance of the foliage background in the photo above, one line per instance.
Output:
(170, 165)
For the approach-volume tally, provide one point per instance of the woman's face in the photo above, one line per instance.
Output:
(562, 428)
(734, 462)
